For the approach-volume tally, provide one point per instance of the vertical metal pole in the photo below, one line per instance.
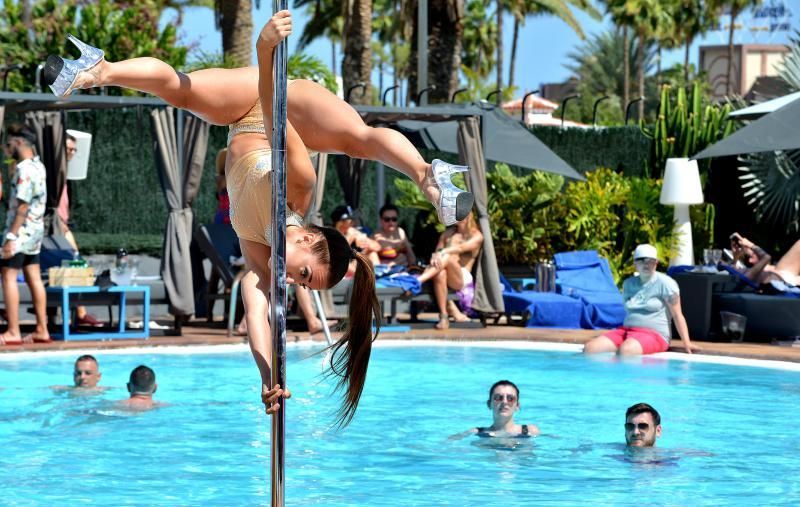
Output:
(422, 49)
(278, 286)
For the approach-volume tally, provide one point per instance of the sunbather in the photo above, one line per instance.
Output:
(324, 122)
(451, 268)
(754, 263)
(651, 298)
(342, 221)
(394, 248)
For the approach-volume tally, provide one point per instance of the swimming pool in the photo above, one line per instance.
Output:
(729, 432)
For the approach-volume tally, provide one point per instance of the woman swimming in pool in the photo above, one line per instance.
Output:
(324, 122)
(504, 403)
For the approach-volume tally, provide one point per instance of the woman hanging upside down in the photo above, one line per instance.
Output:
(316, 257)
(323, 121)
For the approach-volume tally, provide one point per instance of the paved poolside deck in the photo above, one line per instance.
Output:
(199, 333)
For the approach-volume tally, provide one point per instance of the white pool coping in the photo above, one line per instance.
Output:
(514, 345)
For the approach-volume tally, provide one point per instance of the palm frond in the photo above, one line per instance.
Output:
(771, 186)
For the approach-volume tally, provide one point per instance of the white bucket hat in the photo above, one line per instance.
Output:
(645, 252)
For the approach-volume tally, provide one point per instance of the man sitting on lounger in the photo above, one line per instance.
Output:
(142, 386)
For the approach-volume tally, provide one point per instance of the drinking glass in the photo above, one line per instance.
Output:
(707, 257)
(716, 256)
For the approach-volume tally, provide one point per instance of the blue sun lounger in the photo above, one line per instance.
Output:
(586, 276)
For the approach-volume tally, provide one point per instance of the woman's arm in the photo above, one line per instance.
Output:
(473, 244)
(754, 272)
(255, 287)
(673, 303)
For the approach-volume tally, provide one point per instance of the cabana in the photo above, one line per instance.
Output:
(179, 143)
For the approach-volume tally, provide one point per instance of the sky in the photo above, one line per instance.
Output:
(543, 48)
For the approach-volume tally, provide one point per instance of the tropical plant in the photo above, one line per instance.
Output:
(522, 9)
(735, 7)
(324, 20)
(599, 65)
(686, 125)
(790, 68)
(122, 30)
(479, 42)
(234, 19)
(771, 185)
(692, 19)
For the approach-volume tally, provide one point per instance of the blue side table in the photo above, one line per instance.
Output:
(118, 292)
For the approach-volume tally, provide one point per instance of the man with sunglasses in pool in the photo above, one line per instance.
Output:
(504, 403)
(651, 300)
(642, 426)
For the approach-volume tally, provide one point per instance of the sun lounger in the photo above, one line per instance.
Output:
(587, 276)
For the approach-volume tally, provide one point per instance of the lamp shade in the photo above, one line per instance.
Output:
(681, 182)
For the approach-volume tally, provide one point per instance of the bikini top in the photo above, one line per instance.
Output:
(486, 433)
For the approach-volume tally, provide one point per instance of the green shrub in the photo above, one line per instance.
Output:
(140, 244)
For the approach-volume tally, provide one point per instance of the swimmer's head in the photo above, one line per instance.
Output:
(319, 257)
(142, 381)
(86, 373)
(642, 425)
(503, 398)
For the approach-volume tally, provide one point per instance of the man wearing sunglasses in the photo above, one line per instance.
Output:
(642, 425)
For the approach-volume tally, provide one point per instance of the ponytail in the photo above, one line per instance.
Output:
(350, 354)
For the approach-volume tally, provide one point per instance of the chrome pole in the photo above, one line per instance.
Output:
(278, 286)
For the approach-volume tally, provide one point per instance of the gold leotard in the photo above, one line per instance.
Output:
(249, 181)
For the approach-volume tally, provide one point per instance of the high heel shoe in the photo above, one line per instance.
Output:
(62, 74)
(454, 203)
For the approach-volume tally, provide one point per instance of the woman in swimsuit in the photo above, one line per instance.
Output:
(316, 257)
(324, 122)
(451, 267)
(504, 403)
(755, 263)
(394, 249)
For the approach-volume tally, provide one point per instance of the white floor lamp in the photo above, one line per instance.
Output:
(682, 188)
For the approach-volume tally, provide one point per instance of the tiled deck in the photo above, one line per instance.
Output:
(198, 333)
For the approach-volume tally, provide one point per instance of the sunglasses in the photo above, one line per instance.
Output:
(508, 397)
(72, 150)
(389, 219)
(641, 426)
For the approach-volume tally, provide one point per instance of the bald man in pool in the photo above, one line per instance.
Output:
(86, 373)
(142, 385)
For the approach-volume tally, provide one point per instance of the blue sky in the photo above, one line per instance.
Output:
(544, 42)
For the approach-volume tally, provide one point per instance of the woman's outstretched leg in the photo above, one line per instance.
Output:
(328, 124)
(220, 96)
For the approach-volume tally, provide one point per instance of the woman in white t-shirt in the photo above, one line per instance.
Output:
(651, 300)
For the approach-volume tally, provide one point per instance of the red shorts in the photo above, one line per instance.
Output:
(650, 340)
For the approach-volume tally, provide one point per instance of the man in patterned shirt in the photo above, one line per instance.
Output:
(22, 238)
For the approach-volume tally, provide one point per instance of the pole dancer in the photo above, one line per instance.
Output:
(278, 307)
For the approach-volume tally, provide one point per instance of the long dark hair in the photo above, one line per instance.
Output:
(350, 354)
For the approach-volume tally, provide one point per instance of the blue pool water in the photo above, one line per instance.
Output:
(729, 433)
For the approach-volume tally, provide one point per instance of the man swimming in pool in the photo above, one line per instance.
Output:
(86, 373)
(142, 385)
(504, 403)
(642, 426)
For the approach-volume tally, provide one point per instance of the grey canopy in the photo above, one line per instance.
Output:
(179, 174)
(773, 132)
(50, 146)
(488, 292)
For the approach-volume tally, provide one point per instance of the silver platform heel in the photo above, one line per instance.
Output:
(61, 74)
(454, 203)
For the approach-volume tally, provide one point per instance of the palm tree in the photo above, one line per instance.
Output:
(499, 15)
(521, 9)
(479, 40)
(616, 8)
(735, 7)
(235, 20)
(325, 20)
(693, 18)
(357, 48)
(445, 33)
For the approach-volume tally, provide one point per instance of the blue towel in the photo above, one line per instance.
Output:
(402, 280)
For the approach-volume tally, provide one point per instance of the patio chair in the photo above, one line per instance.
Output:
(586, 276)
(218, 243)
